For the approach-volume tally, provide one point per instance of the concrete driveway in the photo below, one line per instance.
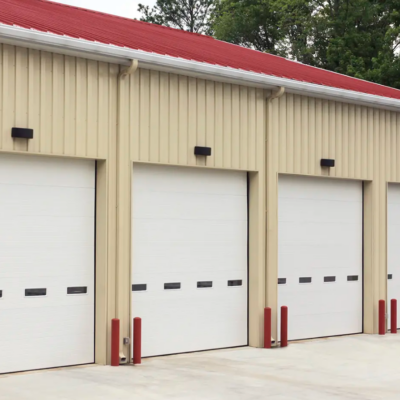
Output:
(352, 367)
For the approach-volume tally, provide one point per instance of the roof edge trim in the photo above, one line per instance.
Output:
(123, 55)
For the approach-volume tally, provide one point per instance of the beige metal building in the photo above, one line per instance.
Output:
(107, 212)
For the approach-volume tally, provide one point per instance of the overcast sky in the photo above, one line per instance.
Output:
(125, 8)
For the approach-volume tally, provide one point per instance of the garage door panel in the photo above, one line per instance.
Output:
(320, 238)
(325, 189)
(318, 234)
(188, 180)
(394, 213)
(155, 284)
(28, 170)
(34, 357)
(190, 206)
(213, 323)
(328, 299)
(46, 199)
(184, 263)
(312, 211)
(56, 228)
(151, 252)
(35, 256)
(331, 325)
(321, 256)
(74, 239)
(319, 271)
(21, 265)
(56, 288)
(189, 226)
(41, 320)
(183, 231)
(46, 246)
(228, 298)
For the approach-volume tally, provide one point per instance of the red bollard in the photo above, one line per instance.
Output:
(267, 328)
(137, 340)
(382, 317)
(115, 342)
(284, 326)
(393, 316)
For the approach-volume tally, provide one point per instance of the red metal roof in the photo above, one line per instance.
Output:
(76, 22)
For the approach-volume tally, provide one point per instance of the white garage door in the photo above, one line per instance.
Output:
(46, 262)
(320, 255)
(393, 218)
(189, 258)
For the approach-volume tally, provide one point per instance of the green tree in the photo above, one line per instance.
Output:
(188, 15)
(354, 37)
(353, 34)
(295, 22)
(249, 23)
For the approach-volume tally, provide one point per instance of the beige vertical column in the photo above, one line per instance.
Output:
(257, 243)
(375, 226)
(272, 151)
(256, 258)
(375, 248)
(257, 229)
(123, 180)
(105, 257)
(106, 229)
(101, 264)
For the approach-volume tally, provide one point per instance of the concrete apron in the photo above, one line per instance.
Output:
(349, 367)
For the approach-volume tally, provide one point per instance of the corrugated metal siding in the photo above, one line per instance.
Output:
(306, 129)
(365, 145)
(171, 114)
(66, 100)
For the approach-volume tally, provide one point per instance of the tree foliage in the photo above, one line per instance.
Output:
(249, 23)
(188, 15)
(360, 38)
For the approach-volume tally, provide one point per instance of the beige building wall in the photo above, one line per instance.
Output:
(71, 104)
(82, 108)
(365, 144)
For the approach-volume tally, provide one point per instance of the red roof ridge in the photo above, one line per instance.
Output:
(308, 66)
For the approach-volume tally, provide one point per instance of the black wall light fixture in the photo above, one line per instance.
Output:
(326, 162)
(202, 151)
(22, 133)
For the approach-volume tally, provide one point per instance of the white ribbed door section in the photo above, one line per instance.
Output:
(320, 255)
(189, 258)
(46, 262)
(393, 266)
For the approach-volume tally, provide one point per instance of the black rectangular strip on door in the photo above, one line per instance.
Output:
(204, 284)
(390, 276)
(77, 290)
(352, 277)
(139, 287)
(306, 279)
(35, 292)
(281, 281)
(329, 278)
(172, 285)
(237, 282)
(1, 293)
